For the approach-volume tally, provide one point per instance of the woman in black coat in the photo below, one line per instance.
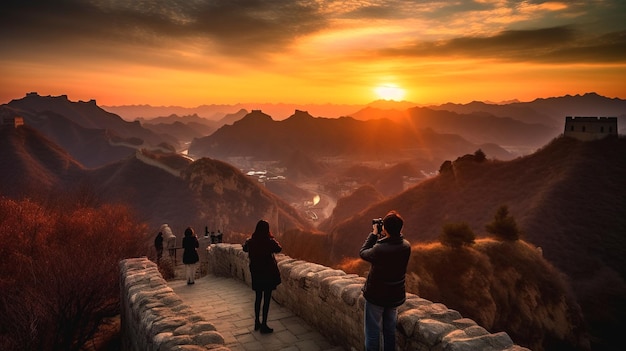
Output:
(190, 254)
(261, 247)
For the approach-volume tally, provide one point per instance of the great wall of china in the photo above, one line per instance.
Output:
(154, 317)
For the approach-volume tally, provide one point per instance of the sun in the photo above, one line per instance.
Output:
(389, 92)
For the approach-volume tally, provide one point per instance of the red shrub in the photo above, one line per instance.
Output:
(59, 270)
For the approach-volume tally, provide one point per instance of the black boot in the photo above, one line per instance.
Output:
(257, 325)
(265, 329)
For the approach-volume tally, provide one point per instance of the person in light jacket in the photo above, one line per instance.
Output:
(190, 254)
(261, 247)
(388, 253)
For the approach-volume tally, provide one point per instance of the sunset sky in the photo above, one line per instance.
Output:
(194, 52)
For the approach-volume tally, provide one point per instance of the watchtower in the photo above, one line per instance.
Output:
(14, 121)
(590, 128)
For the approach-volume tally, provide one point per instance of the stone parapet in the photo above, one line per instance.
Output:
(155, 318)
(331, 301)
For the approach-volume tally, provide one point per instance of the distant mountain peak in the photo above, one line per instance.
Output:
(300, 115)
(255, 116)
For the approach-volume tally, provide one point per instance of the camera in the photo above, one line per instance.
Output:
(379, 225)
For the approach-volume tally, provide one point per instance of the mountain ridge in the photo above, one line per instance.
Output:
(258, 135)
(559, 200)
(33, 164)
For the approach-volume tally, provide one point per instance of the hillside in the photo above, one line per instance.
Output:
(91, 147)
(84, 113)
(46, 112)
(29, 161)
(236, 202)
(503, 286)
(347, 206)
(258, 135)
(209, 193)
(561, 202)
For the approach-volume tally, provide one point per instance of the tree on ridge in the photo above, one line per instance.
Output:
(503, 226)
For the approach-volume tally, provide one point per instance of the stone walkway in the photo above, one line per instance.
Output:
(229, 305)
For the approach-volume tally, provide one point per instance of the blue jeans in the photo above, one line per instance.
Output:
(377, 318)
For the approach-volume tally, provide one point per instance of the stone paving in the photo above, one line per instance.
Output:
(229, 305)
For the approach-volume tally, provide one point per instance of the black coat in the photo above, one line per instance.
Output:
(385, 282)
(158, 241)
(190, 254)
(263, 266)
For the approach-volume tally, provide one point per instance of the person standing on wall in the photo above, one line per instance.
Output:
(190, 254)
(388, 253)
(158, 245)
(261, 247)
(170, 239)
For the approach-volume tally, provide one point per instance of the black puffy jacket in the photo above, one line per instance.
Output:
(385, 282)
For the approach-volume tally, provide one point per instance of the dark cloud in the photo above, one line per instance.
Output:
(556, 45)
(375, 12)
(250, 29)
(607, 48)
(234, 26)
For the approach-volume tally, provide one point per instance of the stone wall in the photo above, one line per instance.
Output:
(155, 318)
(331, 301)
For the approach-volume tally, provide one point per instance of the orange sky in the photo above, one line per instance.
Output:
(194, 52)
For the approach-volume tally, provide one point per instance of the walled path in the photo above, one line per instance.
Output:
(229, 305)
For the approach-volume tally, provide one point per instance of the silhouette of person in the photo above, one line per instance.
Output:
(261, 247)
(158, 245)
(384, 289)
(190, 254)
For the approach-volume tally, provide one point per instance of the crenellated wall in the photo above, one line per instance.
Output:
(155, 318)
(331, 301)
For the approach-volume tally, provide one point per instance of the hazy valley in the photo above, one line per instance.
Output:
(320, 180)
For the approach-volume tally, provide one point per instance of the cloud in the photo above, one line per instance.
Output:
(198, 33)
(234, 26)
(554, 45)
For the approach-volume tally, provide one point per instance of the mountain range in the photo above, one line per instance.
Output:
(93, 136)
(259, 136)
(178, 192)
(362, 166)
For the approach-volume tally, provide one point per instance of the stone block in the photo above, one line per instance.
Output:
(432, 332)
(208, 337)
(160, 338)
(407, 322)
(351, 293)
(166, 324)
(498, 341)
(447, 316)
(172, 342)
(463, 323)
(475, 330)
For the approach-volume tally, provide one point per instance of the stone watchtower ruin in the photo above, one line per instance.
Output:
(14, 121)
(590, 128)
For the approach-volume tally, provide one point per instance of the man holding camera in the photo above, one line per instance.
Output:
(388, 253)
